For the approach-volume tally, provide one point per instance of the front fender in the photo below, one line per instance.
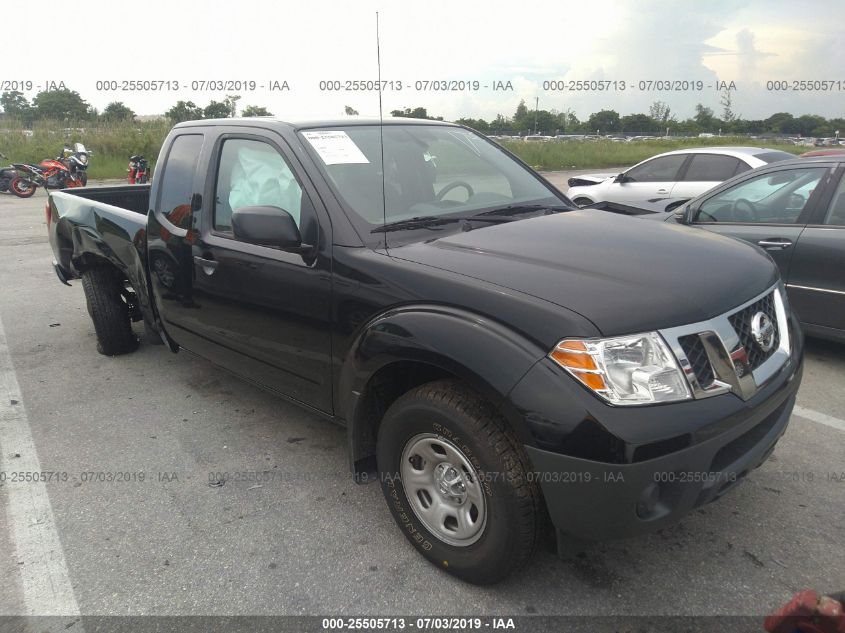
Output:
(488, 356)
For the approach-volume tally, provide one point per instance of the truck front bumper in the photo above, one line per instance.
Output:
(614, 472)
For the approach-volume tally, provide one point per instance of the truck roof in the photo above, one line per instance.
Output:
(310, 124)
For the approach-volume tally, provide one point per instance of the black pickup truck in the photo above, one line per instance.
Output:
(497, 355)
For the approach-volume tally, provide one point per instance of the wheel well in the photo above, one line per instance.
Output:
(382, 390)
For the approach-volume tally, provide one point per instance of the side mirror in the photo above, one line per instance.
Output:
(685, 215)
(620, 178)
(268, 226)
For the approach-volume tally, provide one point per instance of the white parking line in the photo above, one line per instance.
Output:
(44, 575)
(821, 418)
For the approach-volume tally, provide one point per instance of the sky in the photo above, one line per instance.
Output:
(520, 44)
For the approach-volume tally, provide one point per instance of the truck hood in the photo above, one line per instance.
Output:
(622, 274)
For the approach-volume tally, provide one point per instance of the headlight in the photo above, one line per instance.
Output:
(83, 158)
(639, 369)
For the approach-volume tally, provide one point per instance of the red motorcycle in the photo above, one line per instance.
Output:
(139, 170)
(63, 172)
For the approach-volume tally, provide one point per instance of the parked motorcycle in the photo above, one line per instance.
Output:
(11, 182)
(7, 175)
(138, 170)
(76, 160)
(66, 171)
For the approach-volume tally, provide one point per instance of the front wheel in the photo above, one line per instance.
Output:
(83, 178)
(457, 482)
(22, 188)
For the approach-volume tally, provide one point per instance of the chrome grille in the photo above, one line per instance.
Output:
(741, 321)
(721, 355)
(697, 357)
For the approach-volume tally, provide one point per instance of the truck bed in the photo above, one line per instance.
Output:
(128, 197)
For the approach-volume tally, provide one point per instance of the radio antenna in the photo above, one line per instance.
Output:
(381, 134)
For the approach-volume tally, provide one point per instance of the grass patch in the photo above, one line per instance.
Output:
(114, 143)
(111, 143)
(557, 155)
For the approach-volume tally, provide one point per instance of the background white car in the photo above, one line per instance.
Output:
(683, 173)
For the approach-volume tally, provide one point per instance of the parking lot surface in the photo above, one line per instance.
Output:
(140, 524)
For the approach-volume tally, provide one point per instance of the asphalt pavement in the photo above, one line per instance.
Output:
(136, 521)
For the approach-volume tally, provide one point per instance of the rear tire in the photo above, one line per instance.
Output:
(457, 482)
(108, 311)
(22, 188)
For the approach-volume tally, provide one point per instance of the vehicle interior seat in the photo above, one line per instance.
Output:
(415, 180)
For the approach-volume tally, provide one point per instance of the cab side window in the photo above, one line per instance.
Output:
(252, 173)
(663, 169)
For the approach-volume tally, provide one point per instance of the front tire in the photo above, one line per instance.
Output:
(22, 188)
(458, 483)
(108, 311)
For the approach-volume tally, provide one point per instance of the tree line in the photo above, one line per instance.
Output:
(658, 121)
(68, 105)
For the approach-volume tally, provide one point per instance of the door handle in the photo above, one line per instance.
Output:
(775, 243)
(662, 191)
(208, 265)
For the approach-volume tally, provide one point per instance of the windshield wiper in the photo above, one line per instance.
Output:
(419, 222)
(434, 221)
(497, 215)
(517, 209)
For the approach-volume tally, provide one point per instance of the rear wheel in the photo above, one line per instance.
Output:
(109, 311)
(457, 482)
(22, 188)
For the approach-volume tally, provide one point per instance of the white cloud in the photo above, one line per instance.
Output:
(524, 43)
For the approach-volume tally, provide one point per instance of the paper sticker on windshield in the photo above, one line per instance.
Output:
(335, 147)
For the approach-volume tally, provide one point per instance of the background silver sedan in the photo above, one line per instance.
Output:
(683, 173)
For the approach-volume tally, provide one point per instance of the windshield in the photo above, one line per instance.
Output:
(429, 171)
(774, 156)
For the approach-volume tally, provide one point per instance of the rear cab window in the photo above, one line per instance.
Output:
(177, 181)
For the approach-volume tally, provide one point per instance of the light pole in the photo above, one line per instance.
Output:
(536, 108)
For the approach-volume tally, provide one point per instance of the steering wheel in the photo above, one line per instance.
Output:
(454, 185)
(746, 214)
